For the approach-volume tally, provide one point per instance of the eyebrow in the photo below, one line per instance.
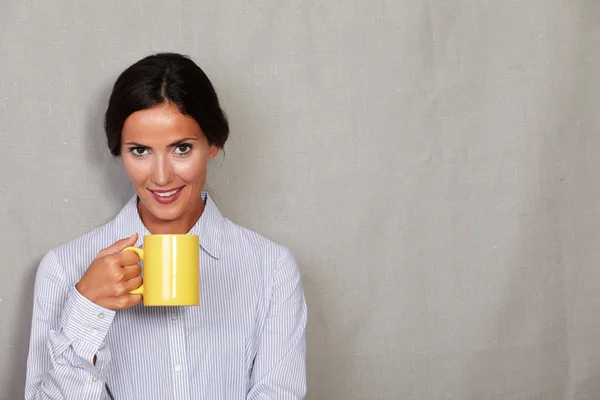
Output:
(174, 144)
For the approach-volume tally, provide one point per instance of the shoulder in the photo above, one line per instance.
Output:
(255, 248)
(89, 243)
(247, 240)
(71, 259)
(265, 265)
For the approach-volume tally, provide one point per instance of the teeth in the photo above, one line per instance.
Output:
(167, 194)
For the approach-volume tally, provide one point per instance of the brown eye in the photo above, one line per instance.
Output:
(183, 149)
(138, 151)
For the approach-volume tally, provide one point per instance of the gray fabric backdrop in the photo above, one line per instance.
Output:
(434, 166)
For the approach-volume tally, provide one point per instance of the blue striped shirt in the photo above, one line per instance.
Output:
(246, 340)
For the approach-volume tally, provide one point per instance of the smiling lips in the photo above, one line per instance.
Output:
(166, 196)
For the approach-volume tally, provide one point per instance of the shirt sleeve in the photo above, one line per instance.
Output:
(67, 331)
(279, 370)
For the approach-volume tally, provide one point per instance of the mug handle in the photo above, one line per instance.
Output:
(140, 254)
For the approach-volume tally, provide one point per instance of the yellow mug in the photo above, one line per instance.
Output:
(171, 270)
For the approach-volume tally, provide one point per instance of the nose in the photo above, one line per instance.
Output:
(162, 171)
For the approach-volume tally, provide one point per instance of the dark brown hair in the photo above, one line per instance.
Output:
(162, 78)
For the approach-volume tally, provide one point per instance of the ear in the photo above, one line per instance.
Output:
(214, 150)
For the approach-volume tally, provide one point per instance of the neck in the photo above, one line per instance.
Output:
(181, 225)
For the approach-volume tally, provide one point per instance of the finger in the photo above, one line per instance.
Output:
(135, 299)
(131, 271)
(123, 302)
(133, 283)
(115, 262)
(119, 245)
(127, 258)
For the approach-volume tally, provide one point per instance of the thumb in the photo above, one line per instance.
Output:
(119, 245)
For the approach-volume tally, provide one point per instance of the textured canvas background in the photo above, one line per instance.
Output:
(434, 166)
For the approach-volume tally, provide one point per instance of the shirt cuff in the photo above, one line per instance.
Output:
(85, 324)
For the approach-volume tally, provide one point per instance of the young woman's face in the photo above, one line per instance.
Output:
(165, 154)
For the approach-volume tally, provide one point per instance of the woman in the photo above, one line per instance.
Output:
(91, 339)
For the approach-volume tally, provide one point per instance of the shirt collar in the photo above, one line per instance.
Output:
(209, 226)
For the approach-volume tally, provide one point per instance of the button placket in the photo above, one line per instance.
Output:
(177, 342)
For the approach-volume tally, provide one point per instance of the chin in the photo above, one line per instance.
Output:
(166, 215)
(162, 212)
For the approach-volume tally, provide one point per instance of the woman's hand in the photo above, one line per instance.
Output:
(113, 274)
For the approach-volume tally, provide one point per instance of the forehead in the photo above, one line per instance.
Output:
(163, 124)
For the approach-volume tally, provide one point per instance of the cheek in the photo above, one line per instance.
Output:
(191, 170)
(136, 171)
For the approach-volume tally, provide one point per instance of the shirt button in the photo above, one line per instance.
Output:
(178, 367)
(101, 315)
(94, 379)
(94, 332)
(174, 316)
